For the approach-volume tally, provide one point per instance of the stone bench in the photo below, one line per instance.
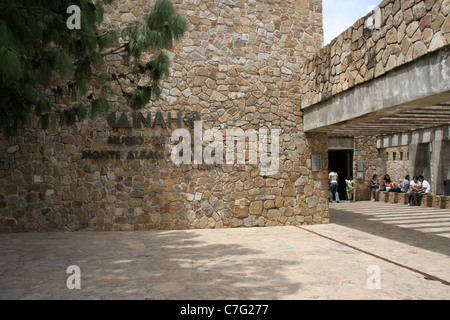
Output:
(392, 197)
(403, 198)
(426, 200)
(430, 200)
(441, 202)
(383, 196)
(397, 197)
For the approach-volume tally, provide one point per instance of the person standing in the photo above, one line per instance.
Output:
(349, 186)
(333, 178)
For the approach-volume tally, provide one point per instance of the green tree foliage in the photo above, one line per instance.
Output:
(36, 46)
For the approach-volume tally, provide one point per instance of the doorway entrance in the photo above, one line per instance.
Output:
(342, 163)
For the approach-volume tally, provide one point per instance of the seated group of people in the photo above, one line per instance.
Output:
(419, 186)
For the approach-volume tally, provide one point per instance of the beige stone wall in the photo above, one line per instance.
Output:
(408, 30)
(398, 163)
(238, 66)
(374, 163)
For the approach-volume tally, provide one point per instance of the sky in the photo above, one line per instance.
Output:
(339, 15)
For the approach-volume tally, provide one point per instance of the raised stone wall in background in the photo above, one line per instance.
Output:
(401, 31)
(398, 163)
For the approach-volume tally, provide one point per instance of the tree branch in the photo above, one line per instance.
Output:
(112, 51)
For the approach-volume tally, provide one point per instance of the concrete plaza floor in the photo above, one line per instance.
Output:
(405, 249)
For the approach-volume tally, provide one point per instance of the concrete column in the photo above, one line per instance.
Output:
(420, 160)
(440, 159)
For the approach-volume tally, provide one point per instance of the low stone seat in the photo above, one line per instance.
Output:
(384, 196)
(429, 200)
(441, 202)
(393, 197)
(402, 198)
(426, 200)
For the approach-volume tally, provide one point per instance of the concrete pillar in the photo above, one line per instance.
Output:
(440, 159)
(420, 160)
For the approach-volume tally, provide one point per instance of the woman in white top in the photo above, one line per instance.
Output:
(333, 179)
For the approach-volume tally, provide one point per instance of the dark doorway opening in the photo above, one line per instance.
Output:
(342, 163)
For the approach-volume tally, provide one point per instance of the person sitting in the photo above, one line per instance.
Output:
(415, 187)
(374, 186)
(386, 183)
(397, 187)
(423, 190)
(405, 184)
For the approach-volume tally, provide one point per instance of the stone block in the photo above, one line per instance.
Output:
(384, 196)
(426, 201)
(11, 222)
(402, 198)
(393, 197)
(440, 202)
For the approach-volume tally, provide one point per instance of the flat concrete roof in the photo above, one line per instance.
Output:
(413, 96)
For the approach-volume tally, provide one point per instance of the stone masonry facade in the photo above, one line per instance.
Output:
(238, 66)
(398, 32)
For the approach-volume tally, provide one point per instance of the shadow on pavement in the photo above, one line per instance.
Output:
(142, 265)
(383, 225)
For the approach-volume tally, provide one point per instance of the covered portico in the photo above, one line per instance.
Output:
(409, 106)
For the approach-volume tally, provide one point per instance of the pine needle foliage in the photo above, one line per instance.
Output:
(36, 46)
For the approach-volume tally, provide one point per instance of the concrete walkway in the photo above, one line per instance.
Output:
(406, 245)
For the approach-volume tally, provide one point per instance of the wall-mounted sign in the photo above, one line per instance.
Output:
(152, 120)
(360, 170)
(139, 120)
(360, 166)
(316, 162)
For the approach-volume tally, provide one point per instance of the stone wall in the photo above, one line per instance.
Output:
(398, 163)
(396, 33)
(237, 67)
(373, 163)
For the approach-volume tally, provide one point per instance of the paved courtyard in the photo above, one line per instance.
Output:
(404, 250)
